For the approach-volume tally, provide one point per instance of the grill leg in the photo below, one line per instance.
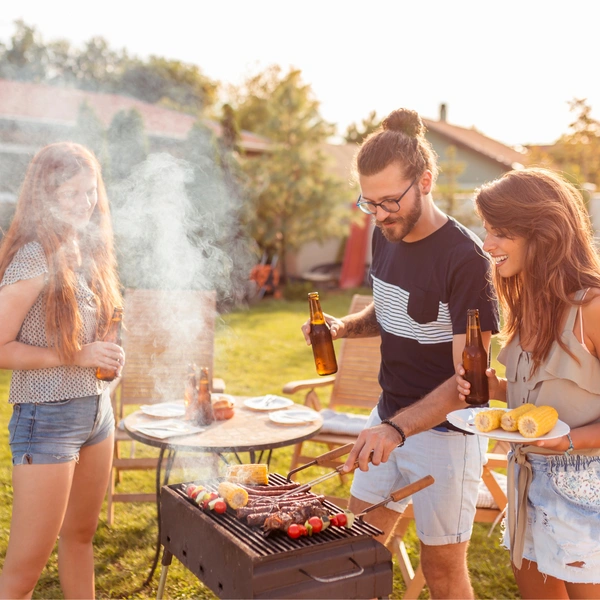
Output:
(170, 458)
(166, 561)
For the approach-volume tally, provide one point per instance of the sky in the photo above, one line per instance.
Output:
(507, 68)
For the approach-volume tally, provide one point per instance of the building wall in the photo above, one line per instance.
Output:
(594, 208)
(478, 168)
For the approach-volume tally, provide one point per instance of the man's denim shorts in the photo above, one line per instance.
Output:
(54, 432)
(563, 517)
(444, 511)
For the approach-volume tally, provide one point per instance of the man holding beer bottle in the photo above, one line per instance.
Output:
(427, 271)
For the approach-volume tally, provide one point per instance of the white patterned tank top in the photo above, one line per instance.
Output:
(56, 383)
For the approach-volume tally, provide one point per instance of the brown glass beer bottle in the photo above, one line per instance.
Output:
(190, 394)
(112, 335)
(205, 415)
(475, 361)
(320, 338)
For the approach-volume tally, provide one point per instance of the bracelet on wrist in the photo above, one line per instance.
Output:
(571, 447)
(398, 429)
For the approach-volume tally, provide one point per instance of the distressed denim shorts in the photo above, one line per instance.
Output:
(563, 517)
(444, 511)
(54, 432)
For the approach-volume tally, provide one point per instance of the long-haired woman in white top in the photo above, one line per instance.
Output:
(58, 290)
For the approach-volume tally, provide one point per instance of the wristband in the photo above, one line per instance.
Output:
(571, 447)
(398, 429)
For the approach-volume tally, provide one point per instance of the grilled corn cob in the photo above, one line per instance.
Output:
(486, 420)
(537, 422)
(248, 474)
(233, 494)
(510, 419)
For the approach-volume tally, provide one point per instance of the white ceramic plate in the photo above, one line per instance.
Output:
(465, 419)
(164, 410)
(168, 428)
(268, 402)
(294, 416)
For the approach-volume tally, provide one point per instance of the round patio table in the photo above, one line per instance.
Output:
(248, 430)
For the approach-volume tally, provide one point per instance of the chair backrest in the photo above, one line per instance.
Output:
(356, 382)
(164, 331)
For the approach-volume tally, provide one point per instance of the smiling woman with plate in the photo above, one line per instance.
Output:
(547, 276)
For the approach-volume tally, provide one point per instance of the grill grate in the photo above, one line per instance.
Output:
(277, 541)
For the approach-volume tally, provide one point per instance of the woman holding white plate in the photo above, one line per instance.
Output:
(547, 276)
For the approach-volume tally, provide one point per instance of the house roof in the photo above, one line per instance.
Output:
(22, 100)
(477, 141)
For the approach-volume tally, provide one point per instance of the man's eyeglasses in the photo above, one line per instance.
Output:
(390, 206)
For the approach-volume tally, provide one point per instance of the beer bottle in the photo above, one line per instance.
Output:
(112, 335)
(320, 338)
(190, 393)
(475, 361)
(205, 415)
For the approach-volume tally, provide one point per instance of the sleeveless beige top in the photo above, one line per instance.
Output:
(571, 386)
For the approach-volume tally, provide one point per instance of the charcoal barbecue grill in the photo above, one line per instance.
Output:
(238, 561)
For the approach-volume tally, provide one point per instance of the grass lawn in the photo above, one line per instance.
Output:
(257, 352)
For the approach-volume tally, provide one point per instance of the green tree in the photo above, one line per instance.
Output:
(173, 83)
(448, 187)
(578, 151)
(26, 57)
(90, 132)
(127, 143)
(356, 135)
(293, 198)
(230, 132)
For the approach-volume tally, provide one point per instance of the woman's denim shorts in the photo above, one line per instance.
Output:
(563, 517)
(54, 432)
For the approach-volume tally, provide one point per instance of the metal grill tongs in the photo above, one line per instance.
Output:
(323, 460)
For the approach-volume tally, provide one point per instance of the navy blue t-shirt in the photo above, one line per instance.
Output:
(422, 291)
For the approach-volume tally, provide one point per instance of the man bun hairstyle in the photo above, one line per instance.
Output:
(404, 121)
(401, 139)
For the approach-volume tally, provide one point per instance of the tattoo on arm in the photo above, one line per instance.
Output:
(362, 324)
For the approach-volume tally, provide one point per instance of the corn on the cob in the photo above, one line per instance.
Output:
(248, 474)
(509, 421)
(537, 422)
(233, 494)
(487, 420)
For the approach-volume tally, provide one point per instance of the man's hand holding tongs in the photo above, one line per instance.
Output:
(378, 441)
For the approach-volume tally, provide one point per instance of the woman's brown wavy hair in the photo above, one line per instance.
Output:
(34, 220)
(560, 257)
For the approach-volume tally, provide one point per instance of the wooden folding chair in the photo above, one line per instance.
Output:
(354, 385)
(164, 331)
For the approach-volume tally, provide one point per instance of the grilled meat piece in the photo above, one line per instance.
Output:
(260, 507)
(279, 520)
(257, 519)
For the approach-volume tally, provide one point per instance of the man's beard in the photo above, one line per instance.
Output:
(403, 225)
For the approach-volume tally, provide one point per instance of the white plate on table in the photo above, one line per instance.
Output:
(167, 428)
(465, 419)
(294, 416)
(268, 402)
(164, 410)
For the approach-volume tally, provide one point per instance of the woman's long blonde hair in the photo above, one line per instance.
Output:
(35, 220)
(560, 258)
